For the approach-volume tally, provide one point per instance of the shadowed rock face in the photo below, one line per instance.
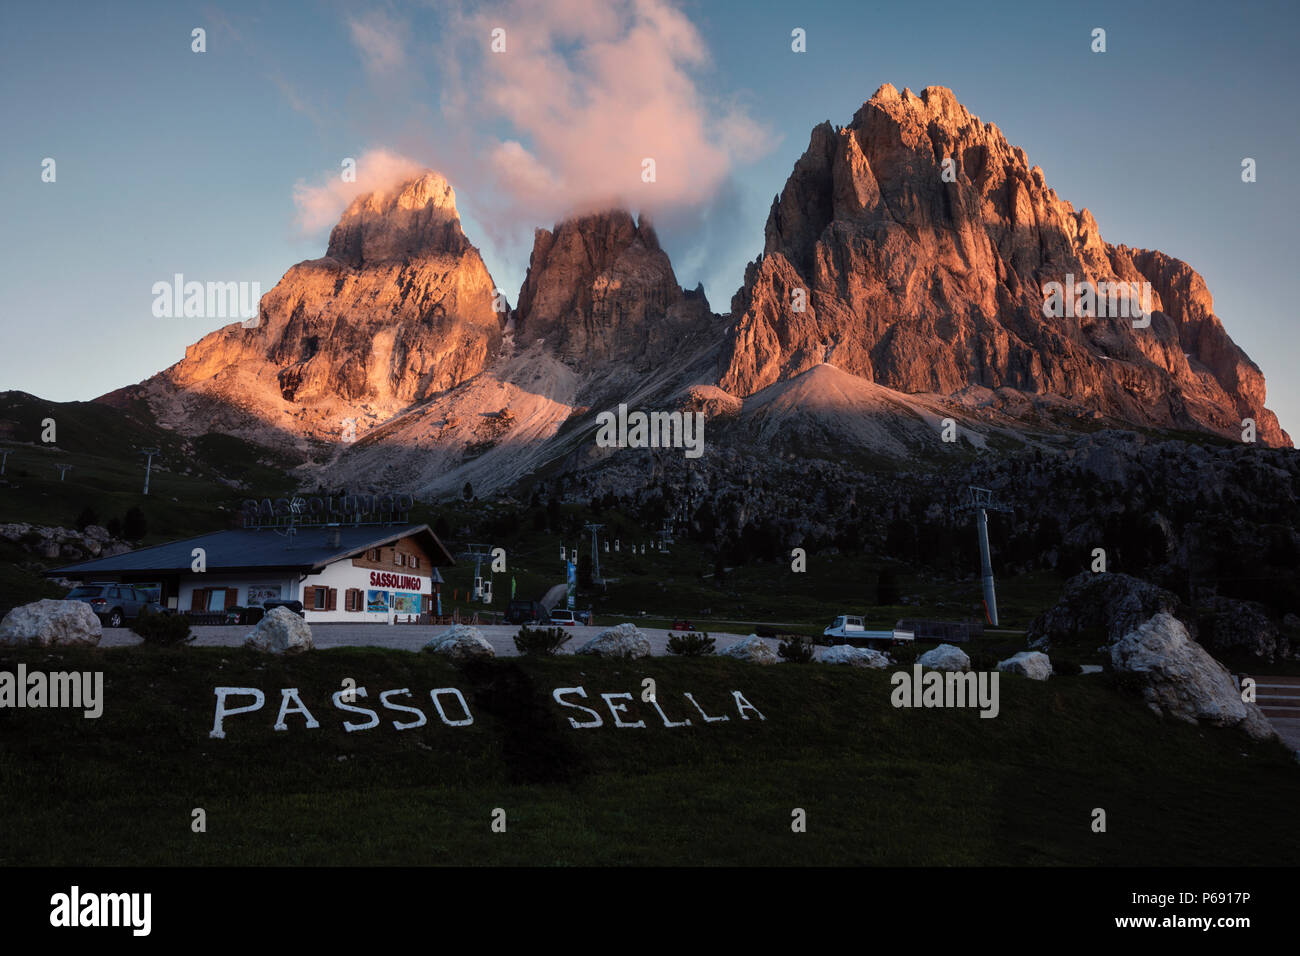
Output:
(600, 289)
(924, 285)
(400, 308)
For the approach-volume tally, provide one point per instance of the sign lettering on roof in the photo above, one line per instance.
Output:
(318, 510)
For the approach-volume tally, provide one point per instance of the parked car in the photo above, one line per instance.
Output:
(563, 618)
(683, 626)
(525, 612)
(584, 617)
(114, 604)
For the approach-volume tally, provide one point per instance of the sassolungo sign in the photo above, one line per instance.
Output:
(452, 709)
(326, 508)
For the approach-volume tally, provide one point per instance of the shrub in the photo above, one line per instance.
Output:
(543, 641)
(796, 650)
(86, 518)
(162, 630)
(691, 644)
(906, 654)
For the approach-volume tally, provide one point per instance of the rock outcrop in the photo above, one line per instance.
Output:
(1178, 679)
(65, 544)
(1230, 628)
(1109, 603)
(877, 262)
(47, 623)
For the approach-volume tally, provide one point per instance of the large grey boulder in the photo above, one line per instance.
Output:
(945, 657)
(1179, 679)
(1109, 602)
(621, 640)
(1032, 664)
(280, 631)
(461, 642)
(752, 649)
(854, 656)
(49, 623)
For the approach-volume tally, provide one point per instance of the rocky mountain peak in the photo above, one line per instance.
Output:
(400, 308)
(912, 247)
(412, 218)
(599, 287)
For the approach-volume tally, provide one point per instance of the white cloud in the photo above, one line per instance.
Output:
(320, 204)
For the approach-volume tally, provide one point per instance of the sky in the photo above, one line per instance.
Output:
(224, 165)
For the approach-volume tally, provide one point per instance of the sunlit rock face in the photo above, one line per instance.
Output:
(930, 283)
(400, 308)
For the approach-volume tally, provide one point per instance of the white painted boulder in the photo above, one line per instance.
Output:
(280, 631)
(1179, 679)
(460, 642)
(49, 623)
(621, 640)
(1032, 664)
(945, 657)
(854, 656)
(752, 649)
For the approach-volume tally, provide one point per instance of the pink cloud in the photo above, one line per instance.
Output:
(381, 40)
(587, 90)
(320, 204)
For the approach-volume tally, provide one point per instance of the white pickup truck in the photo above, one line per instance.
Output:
(850, 629)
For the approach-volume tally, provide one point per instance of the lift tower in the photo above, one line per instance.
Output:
(981, 501)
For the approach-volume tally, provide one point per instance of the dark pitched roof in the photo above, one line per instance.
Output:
(309, 549)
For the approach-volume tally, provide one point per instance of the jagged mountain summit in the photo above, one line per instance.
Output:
(400, 308)
(600, 289)
(927, 285)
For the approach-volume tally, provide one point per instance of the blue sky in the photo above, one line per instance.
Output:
(171, 161)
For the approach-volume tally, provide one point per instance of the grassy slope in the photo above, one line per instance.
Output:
(880, 785)
(102, 445)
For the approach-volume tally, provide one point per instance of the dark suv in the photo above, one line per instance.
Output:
(114, 604)
(526, 612)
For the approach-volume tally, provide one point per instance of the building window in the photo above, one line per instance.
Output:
(217, 599)
(319, 597)
(415, 560)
